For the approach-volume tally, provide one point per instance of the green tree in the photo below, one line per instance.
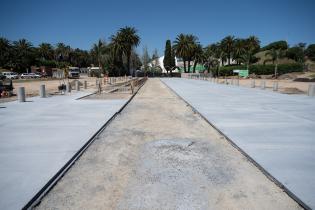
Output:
(310, 52)
(184, 46)
(46, 51)
(145, 60)
(276, 45)
(62, 52)
(117, 47)
(97, 52)
(275, 55)
(23, 54)
(167, 56)
(297, 53)
(251, 46)
(181, 48)
(220, 54)
(239, 50)
(227, 45)
(130, 39)
(5, 52)
(211, 59)
(198, 57)
(192, 46)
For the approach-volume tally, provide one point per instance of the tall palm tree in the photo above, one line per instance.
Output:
(23, 52)
(130, 39)
(192, 47)
(199, 56)
(211, 60)
(275, 55)
(181, 48)
(251, 46)
(184, 47)
(117, 47)
(228, 47)
(220, 54)
(5, 51)
(97, 51)
(239, 50)
(60, 51)
(46, 51)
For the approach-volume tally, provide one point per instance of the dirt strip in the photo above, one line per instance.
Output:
(159, 154)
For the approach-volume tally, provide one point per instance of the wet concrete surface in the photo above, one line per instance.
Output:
(276, 130)
(39, 136)
(158, 154)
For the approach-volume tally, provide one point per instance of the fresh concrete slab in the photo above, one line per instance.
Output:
(158, 154)
(276, 130)
(39, 136)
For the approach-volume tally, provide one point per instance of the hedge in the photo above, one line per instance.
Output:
(261, 69)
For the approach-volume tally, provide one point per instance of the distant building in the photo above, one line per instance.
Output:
(179, 63)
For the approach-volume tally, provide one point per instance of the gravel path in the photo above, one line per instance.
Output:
(159, 154)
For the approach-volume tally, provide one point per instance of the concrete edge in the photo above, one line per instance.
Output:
(264, 171)
(35, 201)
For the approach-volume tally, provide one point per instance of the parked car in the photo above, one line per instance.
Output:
(35, 75)
(30, 75)
(25, 76)
(10, 75)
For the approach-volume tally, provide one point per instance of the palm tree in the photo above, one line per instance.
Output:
(23, 52)
(220, 54)
(46, 51)
(228, 46)
(192, 46)
(184, 47)
(210, 57)
(60, 51)
(5, 51)
(117, 49)
(275, 55)
(130, 39)
(239, 50)
(97, 51)
(199, 56)
(181, 48)
(251, 46)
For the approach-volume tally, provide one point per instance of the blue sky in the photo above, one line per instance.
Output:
(80, 23)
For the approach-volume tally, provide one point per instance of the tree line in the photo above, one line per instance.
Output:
(117, 57)
(231, 51)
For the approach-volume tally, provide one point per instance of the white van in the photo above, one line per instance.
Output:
(74, 72)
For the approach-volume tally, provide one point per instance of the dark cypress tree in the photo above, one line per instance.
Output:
(167, 56)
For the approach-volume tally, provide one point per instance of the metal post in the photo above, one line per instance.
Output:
(68, 87)
(275, 86)
(77, 85)
(85, 84)
(252, 84)
(262, 85)
(237, 82)
(42, 91)
(21, 94)
(311, 90)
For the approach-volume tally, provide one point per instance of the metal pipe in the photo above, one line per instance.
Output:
(275, 86)
(42, 91)
(262, 85)
(252, 85)
(311, 90)
(21, 94)
(68, 87)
